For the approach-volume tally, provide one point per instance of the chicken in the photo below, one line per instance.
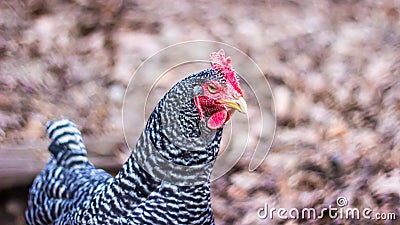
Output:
(166, 179)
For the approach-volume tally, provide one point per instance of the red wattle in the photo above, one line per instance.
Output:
(217, 119)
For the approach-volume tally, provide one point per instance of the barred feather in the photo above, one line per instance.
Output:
(70, 190)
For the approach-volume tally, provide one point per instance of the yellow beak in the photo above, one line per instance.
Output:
(236, 104)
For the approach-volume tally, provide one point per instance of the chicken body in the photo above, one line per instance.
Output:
(166, 179)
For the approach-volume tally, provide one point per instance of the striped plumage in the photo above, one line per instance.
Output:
(164, 181)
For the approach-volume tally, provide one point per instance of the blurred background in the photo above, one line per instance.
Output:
(333, 66)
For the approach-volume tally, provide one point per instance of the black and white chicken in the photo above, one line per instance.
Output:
(166, 180)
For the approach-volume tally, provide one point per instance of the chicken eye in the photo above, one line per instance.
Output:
(212, 89)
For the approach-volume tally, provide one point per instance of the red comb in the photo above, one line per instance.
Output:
(222, 64)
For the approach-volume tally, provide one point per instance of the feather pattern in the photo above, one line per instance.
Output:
(166, 179)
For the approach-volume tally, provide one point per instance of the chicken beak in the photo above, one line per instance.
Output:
(236, 104)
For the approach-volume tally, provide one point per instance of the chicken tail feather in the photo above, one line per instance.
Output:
(67, 145)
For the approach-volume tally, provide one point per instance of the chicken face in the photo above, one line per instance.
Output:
(222, 95)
